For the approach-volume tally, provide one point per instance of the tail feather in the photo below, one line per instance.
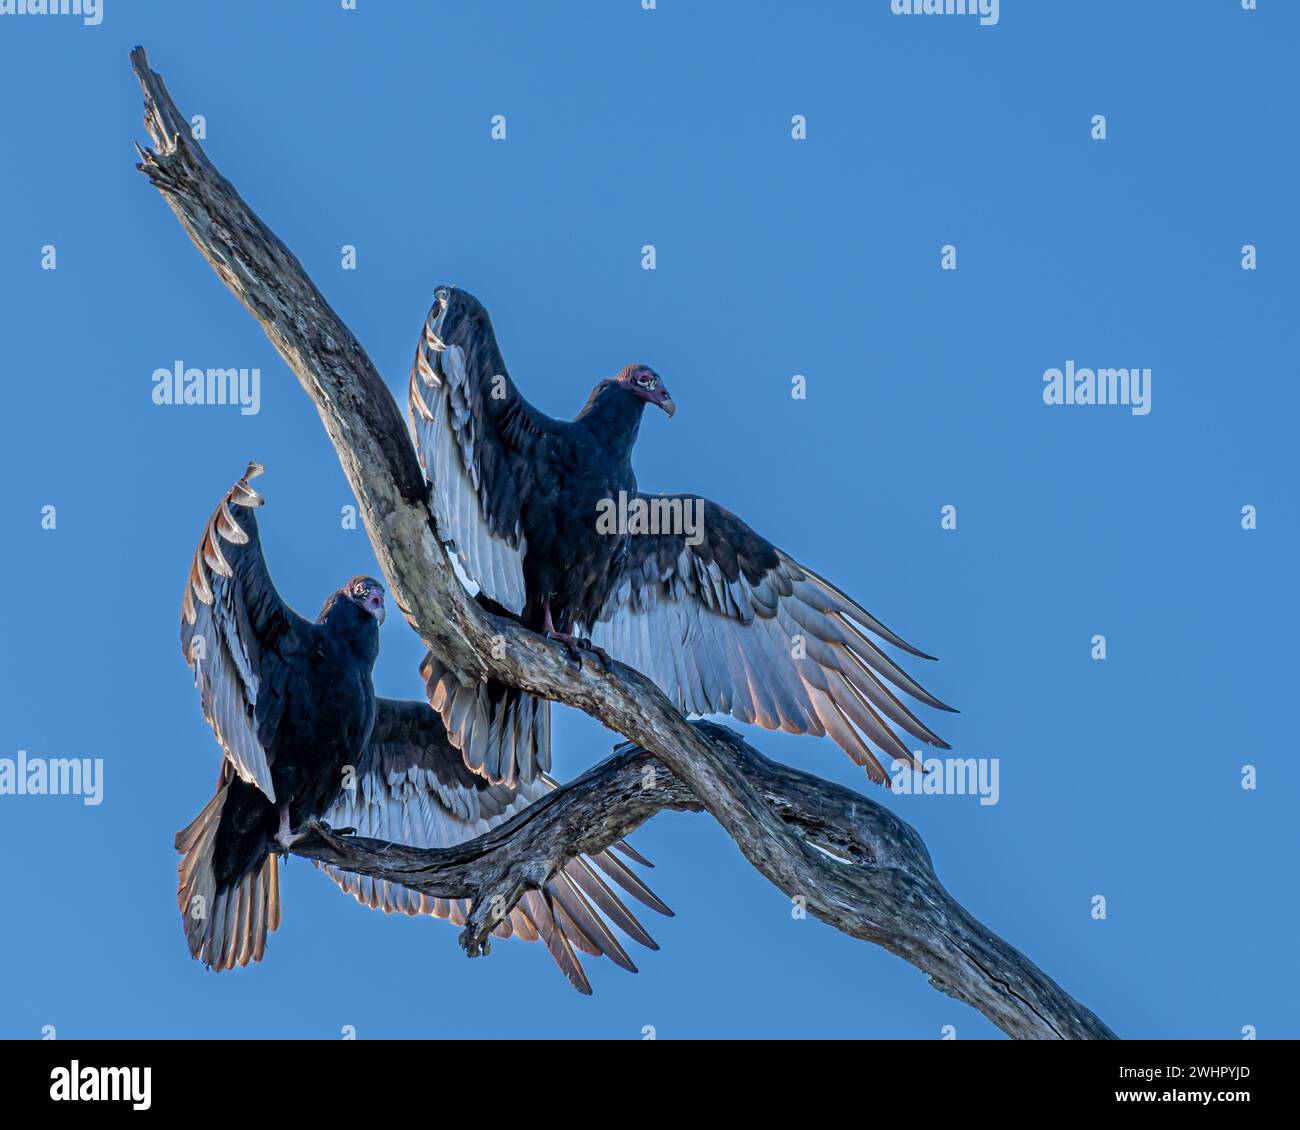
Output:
(503, 733)
(225, 927)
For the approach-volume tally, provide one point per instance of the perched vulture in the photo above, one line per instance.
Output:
(292, 704)
(722, 620)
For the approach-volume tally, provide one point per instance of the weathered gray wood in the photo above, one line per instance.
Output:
(598, 809)
(882, 887)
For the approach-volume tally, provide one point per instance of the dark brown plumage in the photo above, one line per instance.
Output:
(516, 495)
(720, 618)
(291, 703)
(304, 737)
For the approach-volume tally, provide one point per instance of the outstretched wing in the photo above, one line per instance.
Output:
(412, 787)
(732, 625)
(477, 438)
(234, 631)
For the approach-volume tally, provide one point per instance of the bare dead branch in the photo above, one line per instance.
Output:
(869, 875)
(598, 809)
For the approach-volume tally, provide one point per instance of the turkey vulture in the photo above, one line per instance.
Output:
(722, 620)
(292, 704)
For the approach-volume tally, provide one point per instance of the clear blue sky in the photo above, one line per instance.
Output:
(1119, 778)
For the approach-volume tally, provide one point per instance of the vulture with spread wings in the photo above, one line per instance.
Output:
(304, 737)
(722, 620)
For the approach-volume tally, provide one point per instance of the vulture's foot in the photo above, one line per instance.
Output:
(577, 647)
(570, 642)
(598, 651)
(285, 837)
(286, 840)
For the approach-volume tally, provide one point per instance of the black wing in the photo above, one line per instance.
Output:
(234, 630)
(478, 441)
(412, 787)
(733, 625)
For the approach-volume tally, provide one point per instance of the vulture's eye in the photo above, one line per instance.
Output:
(646, 382)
